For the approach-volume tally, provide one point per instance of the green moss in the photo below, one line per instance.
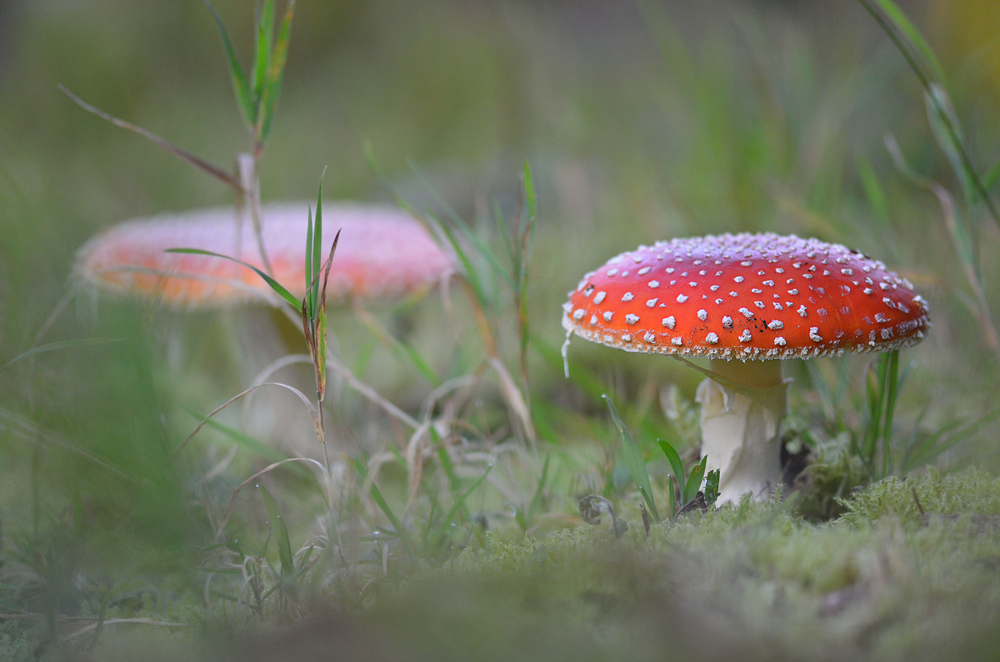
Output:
(757, 579)
(833, 472)
(751, 581)
(971, 492)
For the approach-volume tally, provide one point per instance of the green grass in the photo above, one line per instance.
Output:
(446, 520)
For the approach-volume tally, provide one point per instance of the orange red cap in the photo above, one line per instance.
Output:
(746, 296)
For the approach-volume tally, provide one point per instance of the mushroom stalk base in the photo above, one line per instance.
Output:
(740, 426)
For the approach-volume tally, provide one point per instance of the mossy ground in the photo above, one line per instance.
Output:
(750, 581)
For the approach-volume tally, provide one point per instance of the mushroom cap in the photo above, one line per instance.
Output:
(746, 296)
(383, 253)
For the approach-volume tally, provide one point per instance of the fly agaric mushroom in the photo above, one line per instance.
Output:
(745, 301)
(383, 253)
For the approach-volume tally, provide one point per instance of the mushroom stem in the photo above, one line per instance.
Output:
(739, 426)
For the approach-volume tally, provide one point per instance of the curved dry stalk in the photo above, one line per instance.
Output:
(414, 468)
(434, 396)
(273, 367)
(367, 391)
(222, 464)
(515, 400)
(371, 393)
(114, 621)
(232, 499)
(372, 468)
(19, 426)
(312, 412)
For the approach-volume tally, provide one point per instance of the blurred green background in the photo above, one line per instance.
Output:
(642, 121)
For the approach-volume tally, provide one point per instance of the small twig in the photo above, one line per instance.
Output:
(917, 499)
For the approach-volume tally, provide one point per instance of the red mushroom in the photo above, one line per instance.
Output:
(742, 301)
(383, 253)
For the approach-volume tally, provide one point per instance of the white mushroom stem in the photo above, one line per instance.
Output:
(739, 426)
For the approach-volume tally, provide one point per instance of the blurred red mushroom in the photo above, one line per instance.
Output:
(383, 253)
(743, 301)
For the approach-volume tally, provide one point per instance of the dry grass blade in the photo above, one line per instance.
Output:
(512, 396)
(17, 426)
(269, 468)
(269, 370)
(313, 414)
(90, 627)
(371, 393)
(633, 458)
(180, 153)
(399, 347)
(60, 344)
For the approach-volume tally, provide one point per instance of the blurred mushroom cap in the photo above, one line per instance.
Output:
(383, 254)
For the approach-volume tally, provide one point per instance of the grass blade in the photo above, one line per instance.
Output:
(240, 85)
(671, 500)
(874, 192)
(309, 304)
(694, 480)
(675, 463)
(536, 500)
(315, 258)
(712, 487)
(275, 285)
(529, 192)
(321, 322)
(61, 344)
(991, 178)
(272, 89)
(891, 390)
(875, 392)
(313, 414)
(912, 38)
(910, 43)
(633, 458)
(933, 447)
(459, 504)
(241, 438)
(359, 465)
(403, 350)
(524, 258)
(280, 532)
(231, 504)
(262, 55)
(320, 359)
